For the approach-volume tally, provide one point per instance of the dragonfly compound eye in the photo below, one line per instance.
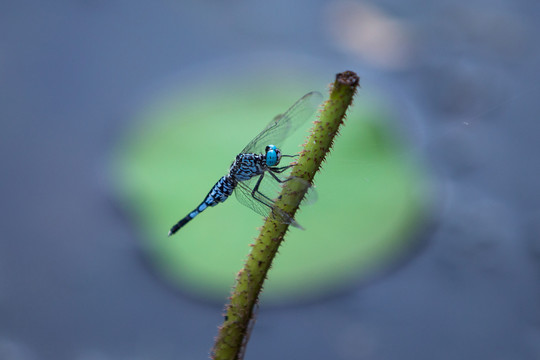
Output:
(273, 155)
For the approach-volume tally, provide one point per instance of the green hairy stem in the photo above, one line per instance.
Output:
(233, 334)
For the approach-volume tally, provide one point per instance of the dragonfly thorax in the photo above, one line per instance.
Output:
(273, 155)
(246, 166)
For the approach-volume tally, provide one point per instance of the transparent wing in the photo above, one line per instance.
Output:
(263, 204)
(285, 124)
(243, 194)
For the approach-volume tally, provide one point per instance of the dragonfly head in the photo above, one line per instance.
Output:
(273, 155)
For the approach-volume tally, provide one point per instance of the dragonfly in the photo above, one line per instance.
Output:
(258, 163)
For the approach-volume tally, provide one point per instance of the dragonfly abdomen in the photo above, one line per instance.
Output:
(219, 193)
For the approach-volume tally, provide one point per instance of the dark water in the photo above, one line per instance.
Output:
(72, 74)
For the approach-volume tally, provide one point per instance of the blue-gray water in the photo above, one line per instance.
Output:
(72, 75)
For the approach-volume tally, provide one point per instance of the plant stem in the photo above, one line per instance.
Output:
(232, 338)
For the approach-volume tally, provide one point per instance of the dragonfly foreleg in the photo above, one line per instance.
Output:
(290, 155)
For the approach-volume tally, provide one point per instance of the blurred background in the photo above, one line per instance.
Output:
(118, 117)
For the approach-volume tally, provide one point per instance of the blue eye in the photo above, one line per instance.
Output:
(272, 155)
(271, 158)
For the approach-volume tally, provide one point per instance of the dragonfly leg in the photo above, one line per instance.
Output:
(265, 200)
(255, 192)
(277, 178)
(279, 170)
(290, 155)
(310, 191)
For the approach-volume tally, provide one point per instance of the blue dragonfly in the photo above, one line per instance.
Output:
(259, 158)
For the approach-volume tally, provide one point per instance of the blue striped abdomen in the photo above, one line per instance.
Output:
(219, 193)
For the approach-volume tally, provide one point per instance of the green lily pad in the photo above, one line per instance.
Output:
(369, 198)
